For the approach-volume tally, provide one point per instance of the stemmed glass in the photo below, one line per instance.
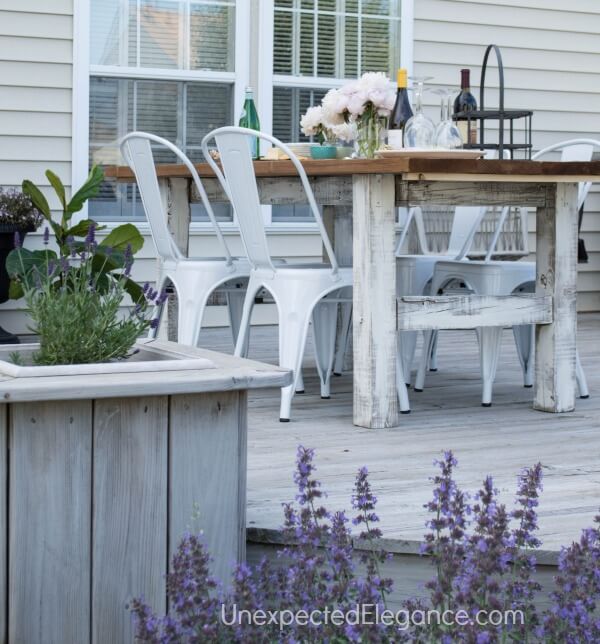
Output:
(446, 135)
(419, 129)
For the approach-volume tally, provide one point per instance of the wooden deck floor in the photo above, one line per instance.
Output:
(499, 440)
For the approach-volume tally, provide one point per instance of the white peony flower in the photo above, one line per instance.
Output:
(312, 120)
(334, 103)
(357, 103)
(344, 132)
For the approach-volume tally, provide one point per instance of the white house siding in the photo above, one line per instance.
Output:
(551, 54)
(552, 66)
(36, 55)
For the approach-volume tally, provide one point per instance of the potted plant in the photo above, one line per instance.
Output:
(17, 215)
(108, 441)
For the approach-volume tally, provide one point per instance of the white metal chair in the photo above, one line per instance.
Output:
(299, 290)
(194, 279)
(489, 277)
(415, 272)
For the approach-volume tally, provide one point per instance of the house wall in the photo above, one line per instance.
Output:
(36, 78)
(552, 66)
(551, 55)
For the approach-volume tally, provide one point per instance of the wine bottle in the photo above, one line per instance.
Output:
(249, 119)
(465, 102)
(400, 113)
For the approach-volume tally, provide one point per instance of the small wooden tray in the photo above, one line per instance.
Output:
(420, 153)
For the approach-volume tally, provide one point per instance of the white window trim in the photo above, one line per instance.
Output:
(241, 78)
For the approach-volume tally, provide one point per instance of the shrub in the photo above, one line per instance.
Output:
(17, 210)
(481, 552)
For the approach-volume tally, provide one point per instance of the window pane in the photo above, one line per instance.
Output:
(163, 34)
(212, 32)
(159, 41)
(181, 112)
(376, 57)
(288, 104)
(352, 37)
(105, 17)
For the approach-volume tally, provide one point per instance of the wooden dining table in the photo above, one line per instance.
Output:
(359, 199)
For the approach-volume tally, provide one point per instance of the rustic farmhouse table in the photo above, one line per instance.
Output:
(372, 190)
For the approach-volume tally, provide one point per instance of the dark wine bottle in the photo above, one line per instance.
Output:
(400, 113)
(465, 102)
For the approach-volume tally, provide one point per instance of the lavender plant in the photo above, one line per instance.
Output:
(75, 310)
(17, 211)
(481, 553)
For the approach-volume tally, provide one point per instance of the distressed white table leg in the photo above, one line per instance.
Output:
(374, 331)
(175, 196)
(556, 253)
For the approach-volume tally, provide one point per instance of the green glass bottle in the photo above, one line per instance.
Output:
(249, 119)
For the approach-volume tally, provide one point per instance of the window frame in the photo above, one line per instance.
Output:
(254, 40)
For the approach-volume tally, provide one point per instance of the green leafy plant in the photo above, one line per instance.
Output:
(74, 304)
(109, 255)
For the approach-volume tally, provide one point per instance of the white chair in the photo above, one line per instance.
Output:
(299, 290)
(490, 277)
(194, 279)
(415, 272)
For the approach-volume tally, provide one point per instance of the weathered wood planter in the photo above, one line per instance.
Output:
(99, 476)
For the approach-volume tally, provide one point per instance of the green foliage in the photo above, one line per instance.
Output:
(74, 302)
(109, 255)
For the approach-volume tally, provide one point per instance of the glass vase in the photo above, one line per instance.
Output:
(370, 135)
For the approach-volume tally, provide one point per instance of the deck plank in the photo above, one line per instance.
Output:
(499, 440)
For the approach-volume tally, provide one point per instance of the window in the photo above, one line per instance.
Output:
(318, 44)
(178, 68)
(161, 66)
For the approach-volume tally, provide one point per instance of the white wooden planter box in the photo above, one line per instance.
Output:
(99, 476)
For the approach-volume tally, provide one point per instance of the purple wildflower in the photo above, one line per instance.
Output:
(46, 237)
(90, 238)
(18, 242)
(128, 260)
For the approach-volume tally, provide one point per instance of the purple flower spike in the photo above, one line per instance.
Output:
(46, 236)
(18, 241)
(90, 238)
(128, 260)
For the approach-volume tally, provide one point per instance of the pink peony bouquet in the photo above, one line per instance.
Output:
(356, 111)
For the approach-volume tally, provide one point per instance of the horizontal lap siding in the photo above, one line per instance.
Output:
(551, 55)
(36, 52)
(36, 79)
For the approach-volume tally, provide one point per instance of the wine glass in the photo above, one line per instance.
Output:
(446, 135)
(419, 129)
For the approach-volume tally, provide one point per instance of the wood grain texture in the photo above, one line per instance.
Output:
(50, 522)
(130, 512)
(231, 374)
(556, 275)
(3, 523)
(472, 311)
(207, 473)
(499, 440)
(374, 293)
(471, 193)
(338, 167)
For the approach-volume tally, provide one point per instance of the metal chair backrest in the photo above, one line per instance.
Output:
(238, 179)
(574, 150)
(571, 150)
(137, 152)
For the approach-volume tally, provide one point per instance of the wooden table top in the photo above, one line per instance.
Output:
(412, 168)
